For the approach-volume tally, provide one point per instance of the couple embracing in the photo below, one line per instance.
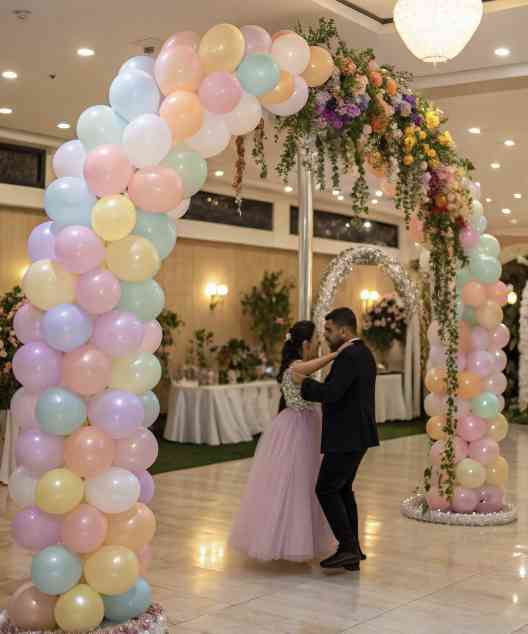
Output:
(297, 506)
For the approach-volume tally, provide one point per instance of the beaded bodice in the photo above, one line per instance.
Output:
(292, 393)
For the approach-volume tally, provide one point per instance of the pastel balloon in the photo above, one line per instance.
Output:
(146, 482)
(480, 362)
(470, 473)
(486, 451)
(486, 405)
(491, 500)
(128, 606)
(145, 559)
(89, 452)
(436, 428)
(485, 268)
(471, 428)
(147, 140)
(245, 117)
(112, 570)
(463, 407)
(117, 413)
(465, 500)
(212, 138)
(258, 74)
(182, 38)
(474, 294)
(78, 249)
(107, 170)
(98, 291)
(66, 327)
(495, 383)
(59, 491)
(47, 284)
(502, 403)
(69, 201)
(295, 103)
(480, 338)
(278, 34)
(220, 92)
(79, 610)
(469, 238)
(477, 210)
(23, 408)
(144, 299)
(55, 570)
(435, 405)
(489, 315)
(437, 502)
(31, 610)
(222, 48)
(22, 487)
(41, 242)
(113, 217)
(190, 167)
(469, 385)
(152, 337)
(433, 334)
(497, 473)
(139, 62)
(133, 93)
(500, 360)
(183, 113)
(499, 337)
(292, 53)
(84, 529)
(118, 333)
(133, 529)
(498, 293)
(178, 68)
(137, 373)
(281, 92)
(37, 366)
(100, 125)
(69, 159)
(439, 447)
(27, 323)
(87, 370)
(498, 428)
(158, 229)
(469, 315)
(480, 224)
(257, 39)
(179, 211)
(137, 452)
(489, 245)
(151, 406)
(60, 412)
(34, 530)
(156, 189)
(114, 491)
(463, 277)
(320, 67)
(133, 259)
(435, 381)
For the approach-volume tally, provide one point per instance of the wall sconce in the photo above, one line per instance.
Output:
(216, 293)
(369, 298)
(512, 298)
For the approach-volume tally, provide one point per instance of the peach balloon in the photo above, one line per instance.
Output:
(469, 385)
(435, 381)
(145, 559)
(282, 91)
(320, 67)
(133, 529)
(276, 36)
(107, 170)
(489, 315)
(474, 294)
(156, 189)
(86, 370)
(84, 529)
(183, 113)
(182, 38)
(30, 609)
(498, 292)
(178, 68)
(89, 451)
(435, 428)
(112, 570)
(464, 337)
(497, 473)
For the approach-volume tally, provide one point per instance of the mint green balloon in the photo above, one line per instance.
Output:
(486, 405)
(144, 299)
(485, 268)
(159, 229)
(488, 245)
(463, 277)
(469, 315)
(60, 412)
(258, 73)
(190, 167)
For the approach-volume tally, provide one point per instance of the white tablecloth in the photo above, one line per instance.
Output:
(7, 463)
(390, 401)
(220, 414)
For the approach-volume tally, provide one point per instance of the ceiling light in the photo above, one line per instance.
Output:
(379, 193)
(6, 110)
(288, 189)
(9, 74)
(85, 52)
(502, 51)
(474, 130)
(518, 196)
(63, 125)
(336, 192)
(374, 201)
(509, 143)
(489, 200)
(219, 173)
(514, 221)
(495, 166)
(340, 197)
(506, 211)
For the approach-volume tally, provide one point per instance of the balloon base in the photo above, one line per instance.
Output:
(153, 621)
(415, 508)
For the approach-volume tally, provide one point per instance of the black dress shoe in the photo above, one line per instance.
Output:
(353, 567)
(341, 559)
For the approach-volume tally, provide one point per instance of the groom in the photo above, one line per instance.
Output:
(349, 429)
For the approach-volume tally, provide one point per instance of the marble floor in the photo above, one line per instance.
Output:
(418, 578)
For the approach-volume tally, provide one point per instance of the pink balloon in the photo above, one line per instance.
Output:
(495, 383)
(474, 294)
(138, 452)
(499, 338)
(79, 249)
(437, 358)
(34, 530)
(296, 102)
(433, 334)
(469, 238)
(436, 502)
(98, 291)
(461, 451)
(178, 68)
(480, 338)
(152, 337)
(471, 428)
(491, 500)
(463, 407)
(86, 370)
(502, 403)
(118, 413)
(156, 189)
(257, 39)
(486, 451)
(41, 242)
(465, 500)
(480, 362)
(107, 170)
(88, 452)
(118, 333)
(498, 293)
(146, 482)
(37, 366)
(220, 92)
(500, 360)
(39, 452)
(84, 529)
(23, 408)
(183, 38)
(27, 323)
(145, 558)
(435, 405)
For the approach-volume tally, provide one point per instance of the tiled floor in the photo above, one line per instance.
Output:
(418, 578)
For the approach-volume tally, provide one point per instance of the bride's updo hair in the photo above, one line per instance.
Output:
(293, 346)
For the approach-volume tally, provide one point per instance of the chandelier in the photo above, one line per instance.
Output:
(437, 30)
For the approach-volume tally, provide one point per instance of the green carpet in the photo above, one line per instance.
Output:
(174, 456)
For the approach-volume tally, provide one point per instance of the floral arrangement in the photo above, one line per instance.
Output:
(238, 356)
(170, 325)
(385, 323)
(9, 344)
(201, 350)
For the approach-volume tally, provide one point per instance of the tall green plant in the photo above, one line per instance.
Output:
(170, 324)
(9, 344)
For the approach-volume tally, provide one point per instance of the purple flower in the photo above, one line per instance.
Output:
(322, 97)
(353, 110)
(405, 109)
(319, 108)
(417, 119)
(410, 99)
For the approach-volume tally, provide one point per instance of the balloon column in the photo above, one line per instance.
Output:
(89, 329)
(480, 471)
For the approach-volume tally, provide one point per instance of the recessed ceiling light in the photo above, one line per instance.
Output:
(374, 201)
(288, 189)
(6, 110)
(219, 173)
(474, 130)
(509, 142)
(340, 197)
(85, 52)
(489, 200)
(336, 192)
(518, 196)
(495, 166)
(502, 51)
(506, 211)
(63, 125)
(514, 221)
(9, 74)
(379, 193)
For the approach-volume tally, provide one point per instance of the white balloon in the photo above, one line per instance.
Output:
(69, 159)
(245, 117)
(147, 140)
(292, 53)
(180, 210)
(100, 125)
(140, 62)
(296, 102)
(114, 491)
(22, 487)
(212, 138)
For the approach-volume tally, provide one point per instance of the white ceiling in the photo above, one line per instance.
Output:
(476, 89)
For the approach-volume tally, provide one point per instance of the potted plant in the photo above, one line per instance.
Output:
(200, 356)
(236, 356)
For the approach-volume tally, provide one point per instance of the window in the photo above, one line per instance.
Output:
(25, 166)
(208, 207)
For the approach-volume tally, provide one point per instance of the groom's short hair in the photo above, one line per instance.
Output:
(344, 318)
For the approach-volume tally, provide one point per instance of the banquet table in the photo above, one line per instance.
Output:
(7, 458)
(390, 400)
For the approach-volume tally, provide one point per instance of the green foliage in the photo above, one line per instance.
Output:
(237, 355)
(170, 324)
(201, 349)
(9, 344)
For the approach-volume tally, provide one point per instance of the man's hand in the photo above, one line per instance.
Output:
(297, 378)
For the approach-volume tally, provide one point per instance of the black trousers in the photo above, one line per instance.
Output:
(336, 497)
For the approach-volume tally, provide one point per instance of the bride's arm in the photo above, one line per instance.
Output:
(309, 367)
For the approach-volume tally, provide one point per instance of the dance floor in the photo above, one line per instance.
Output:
(418, 579)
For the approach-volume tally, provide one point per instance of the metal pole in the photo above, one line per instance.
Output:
(306, 216)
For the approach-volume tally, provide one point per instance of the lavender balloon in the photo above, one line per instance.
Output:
(465, 500)
(491, 500)
(480, 362)
(41, 242)
(146, 483)
(39, 452)
(27, 323)
(66, 327)
(37, 366)
(34, 530)
(117, 413)
(118, 333)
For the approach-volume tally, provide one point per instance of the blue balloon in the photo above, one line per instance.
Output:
(144, 299)
(258, 73)
(486, 405)
(60, 412)
(69, 201)
(152, 408)
(55, 570)
(480, 223)
(66, 327)
(123, 607)
(485, 268)
(159, 229)
(133, 93)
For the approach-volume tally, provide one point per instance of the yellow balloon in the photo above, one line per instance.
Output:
(133, 259)
(112, 570)
(222, 48)
(470, 473)
(113, 217)
(282, 91)
(497, 473)
(137, 373)
(81, 609)
(46, 284)
(498, 428)
(320, 67)
(59, 491)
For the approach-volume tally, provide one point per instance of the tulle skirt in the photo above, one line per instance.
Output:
(280, 516)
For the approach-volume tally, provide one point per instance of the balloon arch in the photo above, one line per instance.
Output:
(87, 366)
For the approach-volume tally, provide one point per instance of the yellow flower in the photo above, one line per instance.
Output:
(431, 153)
(409, 130)
(423, 135)
(446, 139)
(408, 159)
(408, 143)
(432, 119)
(434, 164)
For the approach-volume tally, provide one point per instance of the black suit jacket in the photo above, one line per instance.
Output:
(348, 399)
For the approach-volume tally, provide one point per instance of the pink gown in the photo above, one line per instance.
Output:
(279, 515)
